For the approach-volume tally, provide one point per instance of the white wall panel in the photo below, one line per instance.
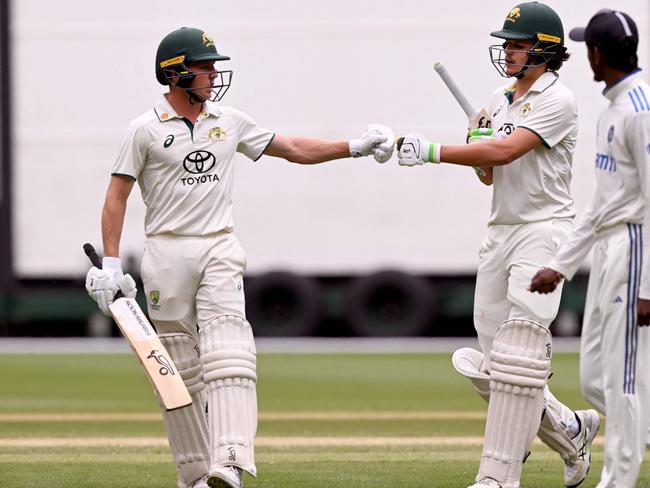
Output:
(324, 69)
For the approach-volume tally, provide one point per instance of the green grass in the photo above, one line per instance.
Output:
(358, 384)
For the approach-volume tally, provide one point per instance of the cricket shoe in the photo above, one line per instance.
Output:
(226, 477)
(576, 470)
(486, 483)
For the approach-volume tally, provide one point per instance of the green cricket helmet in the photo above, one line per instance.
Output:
(536, 22)
(179, 49)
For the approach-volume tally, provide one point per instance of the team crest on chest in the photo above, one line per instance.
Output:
(610, 134)
(217, 134)
(525, 109)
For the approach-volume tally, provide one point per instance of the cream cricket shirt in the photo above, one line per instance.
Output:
(536, 186)
(186, 175)
(622, 164)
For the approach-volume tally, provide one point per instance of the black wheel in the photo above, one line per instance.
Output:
(390, 303)
(283, 304)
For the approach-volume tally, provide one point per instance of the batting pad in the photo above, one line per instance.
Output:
(186, 427)
(521, 364)
(229, 368)
(469, 363)
(555, 424)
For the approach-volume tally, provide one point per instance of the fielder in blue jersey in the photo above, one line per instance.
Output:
(615, 347)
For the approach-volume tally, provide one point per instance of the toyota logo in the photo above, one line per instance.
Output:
(198, 162)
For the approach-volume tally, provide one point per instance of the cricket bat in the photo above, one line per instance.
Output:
(475, 118)
(146, 345)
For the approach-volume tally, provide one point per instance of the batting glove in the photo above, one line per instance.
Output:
(101, 287)
(413, 149)
(367, 142)
(103, 284)
(481, 134)
(383, 152)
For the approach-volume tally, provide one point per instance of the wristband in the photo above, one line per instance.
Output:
(434, 152)
(111, 263)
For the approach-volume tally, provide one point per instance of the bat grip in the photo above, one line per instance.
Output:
(97, 262)
(92, 255)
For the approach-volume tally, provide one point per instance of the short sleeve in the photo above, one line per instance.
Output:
(254, 139)
(553, 116)
(133, 152)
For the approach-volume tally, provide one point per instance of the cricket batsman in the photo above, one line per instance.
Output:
(615, 344)
(181, 154)
(525, 152)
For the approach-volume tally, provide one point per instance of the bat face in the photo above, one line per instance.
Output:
(131, 319)
(144, 341)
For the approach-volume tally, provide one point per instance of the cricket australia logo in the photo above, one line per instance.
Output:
(217, 134)
(207, 40)
(165, 365)
(514, 14)
(154, 295)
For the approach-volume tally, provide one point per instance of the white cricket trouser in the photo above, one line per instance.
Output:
(508, 260)
(613, 350)
(190, 281)
(194, 285)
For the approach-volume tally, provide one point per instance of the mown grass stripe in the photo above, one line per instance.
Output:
(259, 442)
(263, 416)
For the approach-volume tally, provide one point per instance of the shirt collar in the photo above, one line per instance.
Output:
(544, 81)
(624, 84)
(164, 111)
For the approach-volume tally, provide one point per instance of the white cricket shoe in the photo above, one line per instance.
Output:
(486, 483)
(226, 477)
(576, 471)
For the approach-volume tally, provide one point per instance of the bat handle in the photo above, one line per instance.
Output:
(92, 255)
(97, 262)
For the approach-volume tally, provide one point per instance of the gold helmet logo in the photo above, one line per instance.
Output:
(207, 40)
(514, 14)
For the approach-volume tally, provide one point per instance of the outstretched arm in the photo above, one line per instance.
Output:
(378, 140)
(415, 149)
(303, 150)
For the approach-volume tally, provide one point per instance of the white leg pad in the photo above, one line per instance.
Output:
(556, 420)
(521, 364)
(186, 427)
(229, 367)
(469, 362)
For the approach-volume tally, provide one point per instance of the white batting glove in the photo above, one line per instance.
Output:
(366, 143)
(126, 285)
(383, 152)
(102, 287)
(479, 135)
(413, 149)
(103, 284)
